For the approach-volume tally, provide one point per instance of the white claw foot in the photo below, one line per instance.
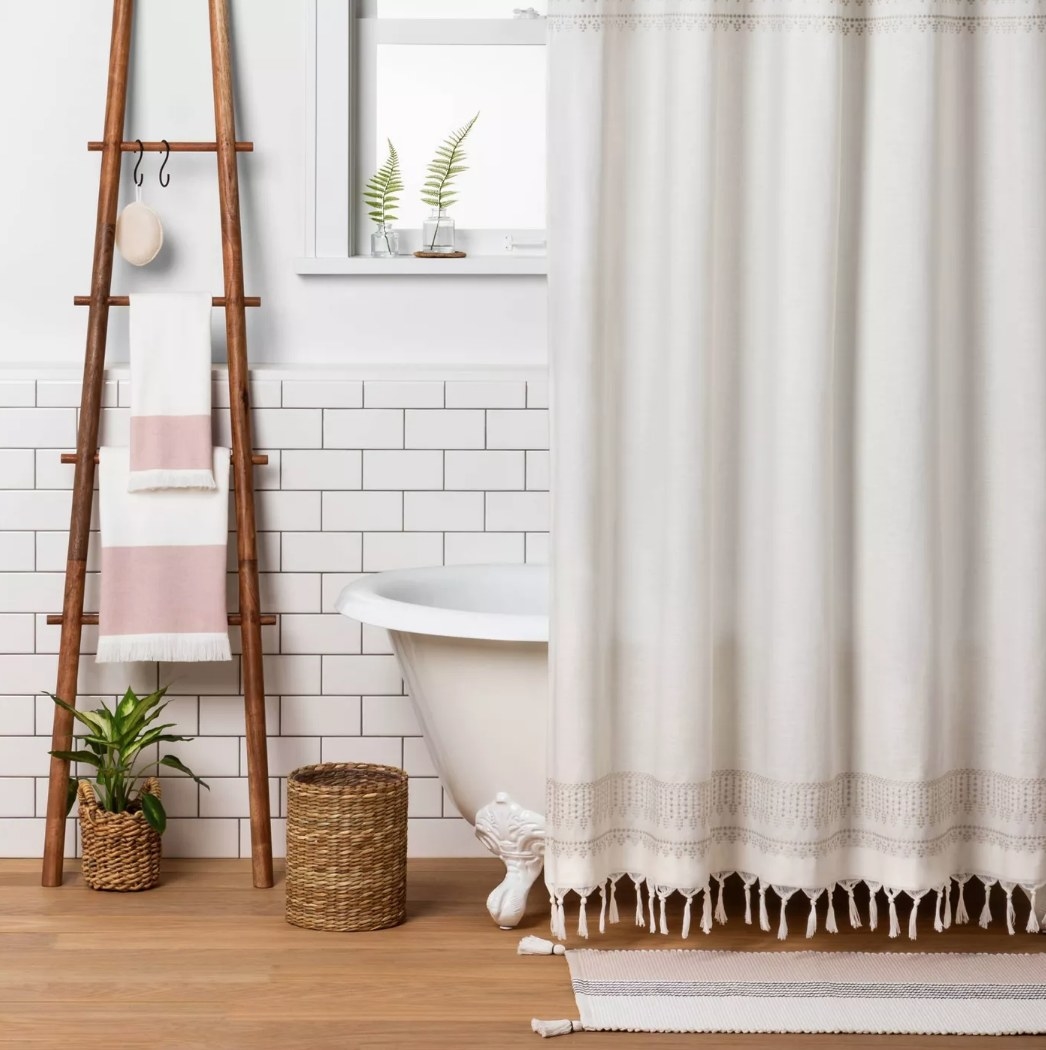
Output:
(517, 836)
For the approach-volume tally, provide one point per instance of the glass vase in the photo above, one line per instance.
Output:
(437, 234)
(384, 241)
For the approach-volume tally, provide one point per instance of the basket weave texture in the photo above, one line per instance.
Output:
(346, 847)
(120, 851)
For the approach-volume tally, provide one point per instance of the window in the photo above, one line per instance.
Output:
(412, 71)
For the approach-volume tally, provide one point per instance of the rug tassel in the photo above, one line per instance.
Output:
(913, 932)
(613, 915)
(938, 923)
(539, 946)
(895, 925)
(829, 920)
(962, 916)
(547, 1029)
(986, 912)
(602, 909)
(1033, 919)
(638, 880)
(706, 909)
(720, 907)
(873, 904)
(582, 919)
(764, 918)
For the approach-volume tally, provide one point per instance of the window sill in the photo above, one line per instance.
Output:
(534, 265)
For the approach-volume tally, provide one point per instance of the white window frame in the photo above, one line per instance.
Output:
(341, 134)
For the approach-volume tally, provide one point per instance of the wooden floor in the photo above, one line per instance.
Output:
(207, 962)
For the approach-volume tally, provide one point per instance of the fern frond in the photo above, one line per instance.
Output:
(445, 166)
(380, 193)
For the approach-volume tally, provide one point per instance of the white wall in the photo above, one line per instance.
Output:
(53, 62)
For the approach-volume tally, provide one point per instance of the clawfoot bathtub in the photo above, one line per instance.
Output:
(472, 642)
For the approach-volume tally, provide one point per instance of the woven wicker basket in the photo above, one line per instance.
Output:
(121, 852)
(346, 847)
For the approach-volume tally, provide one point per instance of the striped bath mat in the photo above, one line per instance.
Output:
(828, 992)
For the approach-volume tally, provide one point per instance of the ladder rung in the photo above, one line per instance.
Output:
(259, 459)
(125, 300)
(91, 619)
(176, 147)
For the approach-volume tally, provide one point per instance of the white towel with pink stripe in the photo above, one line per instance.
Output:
(170, 349)
(163, 566)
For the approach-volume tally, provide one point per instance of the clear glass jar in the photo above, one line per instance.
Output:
(437, 234)
(384, 241)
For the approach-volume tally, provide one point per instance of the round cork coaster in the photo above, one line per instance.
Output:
(439, 255)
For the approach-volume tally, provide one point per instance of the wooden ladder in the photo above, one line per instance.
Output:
(249, 618)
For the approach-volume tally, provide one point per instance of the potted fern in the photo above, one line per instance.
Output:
(440, 192)
(121, 815)
(381, 195)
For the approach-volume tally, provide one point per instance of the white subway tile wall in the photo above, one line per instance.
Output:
(365, 475)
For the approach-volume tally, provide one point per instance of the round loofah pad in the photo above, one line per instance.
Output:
(139, 234)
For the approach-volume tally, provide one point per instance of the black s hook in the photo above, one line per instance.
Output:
(167, 157)
(139, 179)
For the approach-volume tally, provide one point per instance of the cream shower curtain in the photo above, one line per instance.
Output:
(798, 316)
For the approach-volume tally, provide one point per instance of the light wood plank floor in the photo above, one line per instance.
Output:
(207, 962)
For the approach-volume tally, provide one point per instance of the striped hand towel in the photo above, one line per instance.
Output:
(163, 567)
(170, 336)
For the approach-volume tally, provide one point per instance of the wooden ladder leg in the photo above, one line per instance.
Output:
(87, 439)
(239, 403)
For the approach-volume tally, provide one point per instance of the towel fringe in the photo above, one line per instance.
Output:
(156, 479)
(168, 648)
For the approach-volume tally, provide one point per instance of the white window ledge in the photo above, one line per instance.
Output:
(471, 265)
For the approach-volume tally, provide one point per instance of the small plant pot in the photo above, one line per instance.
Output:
(120, 851)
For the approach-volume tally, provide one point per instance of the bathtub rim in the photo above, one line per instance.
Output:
(363, 600)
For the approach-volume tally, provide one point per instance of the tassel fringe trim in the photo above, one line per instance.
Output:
(169, 648)
(654, 909)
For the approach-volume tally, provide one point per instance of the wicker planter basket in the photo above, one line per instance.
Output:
(346, 847)
(121, 852)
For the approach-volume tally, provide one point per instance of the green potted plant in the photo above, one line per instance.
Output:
(440, 192)
(381, 195)
(121, 815)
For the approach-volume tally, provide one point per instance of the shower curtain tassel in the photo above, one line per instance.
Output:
(1033, 919)
(938, 922)
(1011, 912)
(895, 925)
(986, 912)
(829, 921)
(962, 916)
(602, 909)
(638, 881)
(539, 946)
(613, 916)
(662, 895)
(582, 919)
(764, 918)
(782, 926)
(873, 904)
(946, 920)
(653, 917)
(547, 1029)
(552, 927)
(706, 909)
(811, 920)
(855, 915)
(686, 913)
(912, 930)
(748, 880)
(720, 907)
